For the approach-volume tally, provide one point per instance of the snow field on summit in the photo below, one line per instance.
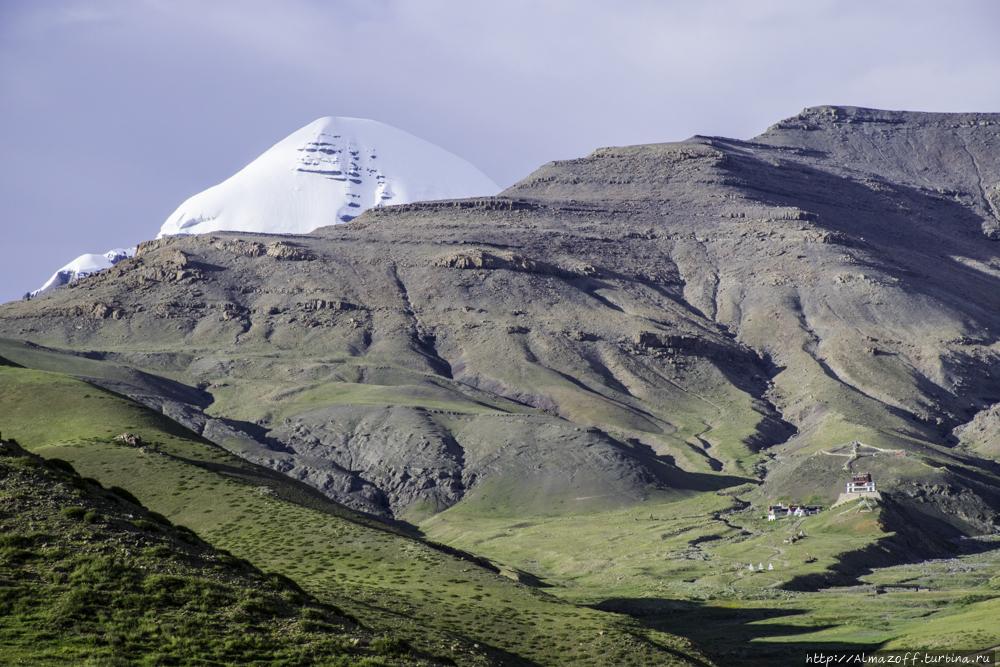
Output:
(328, 173)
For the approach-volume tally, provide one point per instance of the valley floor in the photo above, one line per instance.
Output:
(684, 568)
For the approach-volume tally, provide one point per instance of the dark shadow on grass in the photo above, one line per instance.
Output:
(731, 636)
(917, 536)
(8, 362)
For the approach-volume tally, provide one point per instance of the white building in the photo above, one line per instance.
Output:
(861, 484)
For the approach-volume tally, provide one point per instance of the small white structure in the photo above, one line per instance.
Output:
(775, 512)
(751, 567)
(865, 505)
(770, 566)
(861, 484)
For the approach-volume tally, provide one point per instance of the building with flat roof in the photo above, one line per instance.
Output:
(861, 484)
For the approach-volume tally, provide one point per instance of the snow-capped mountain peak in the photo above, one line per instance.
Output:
(328, 173)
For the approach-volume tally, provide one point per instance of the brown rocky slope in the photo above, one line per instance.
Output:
(648, 321)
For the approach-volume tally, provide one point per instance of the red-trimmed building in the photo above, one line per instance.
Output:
(861, 484)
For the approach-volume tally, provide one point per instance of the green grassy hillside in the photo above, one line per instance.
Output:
(444, 606)
(88, 576)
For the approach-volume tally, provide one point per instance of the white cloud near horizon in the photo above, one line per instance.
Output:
(115, 111)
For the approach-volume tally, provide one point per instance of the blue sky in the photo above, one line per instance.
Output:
(113, 112)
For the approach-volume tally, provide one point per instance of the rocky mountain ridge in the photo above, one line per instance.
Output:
(647, 321)
(325, 173)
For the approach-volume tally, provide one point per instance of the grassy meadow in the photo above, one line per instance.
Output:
(684, 566)
(576, 585)
(444, 606)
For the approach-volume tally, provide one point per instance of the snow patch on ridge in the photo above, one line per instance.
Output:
(82, 266)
